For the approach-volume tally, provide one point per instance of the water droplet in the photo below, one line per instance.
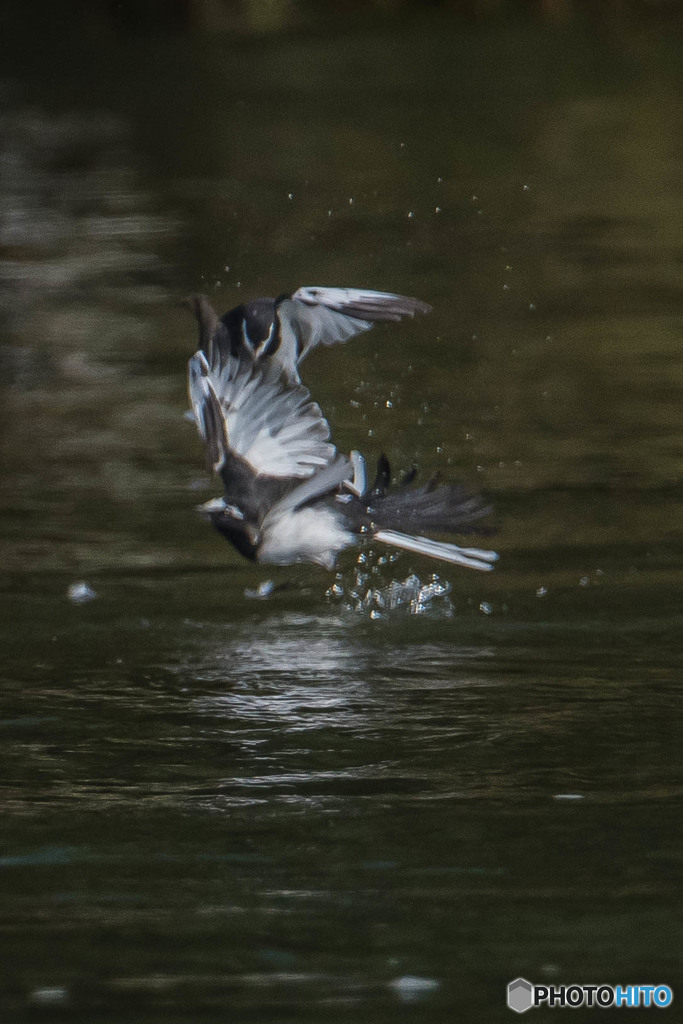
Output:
(411, 214)
(532, 306)
(541, 592)
(526, 188)
(81, 593)
(437, 209)
(486, 608)
(584, 581)
(350, 201)
(262, 592)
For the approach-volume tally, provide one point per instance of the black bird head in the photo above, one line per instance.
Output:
(230, 521)
(253, 325)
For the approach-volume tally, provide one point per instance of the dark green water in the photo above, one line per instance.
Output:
(220, 808)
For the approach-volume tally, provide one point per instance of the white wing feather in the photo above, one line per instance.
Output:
(362, 302)
(274, 427)
(325, 316)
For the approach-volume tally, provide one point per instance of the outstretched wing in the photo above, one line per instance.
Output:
(245, 410)
(324, 316)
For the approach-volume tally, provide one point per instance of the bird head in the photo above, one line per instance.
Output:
(220, 509)
(255, 325)
(229, 520)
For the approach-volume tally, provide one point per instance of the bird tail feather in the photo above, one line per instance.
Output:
(440, 507)
(472, 558)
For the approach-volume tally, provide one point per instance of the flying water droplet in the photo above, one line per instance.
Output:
(81, 593)
(262, 592)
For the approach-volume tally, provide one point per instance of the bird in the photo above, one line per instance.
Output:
(289, 495)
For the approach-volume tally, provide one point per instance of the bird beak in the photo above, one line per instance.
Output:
(219, 506)
(210, 508)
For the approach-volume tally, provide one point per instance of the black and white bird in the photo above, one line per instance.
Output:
(289, 495)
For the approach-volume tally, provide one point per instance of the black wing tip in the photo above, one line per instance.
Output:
(382, 477)
(206, 317)
(195, 301)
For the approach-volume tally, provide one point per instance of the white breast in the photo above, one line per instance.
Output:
(306, 535)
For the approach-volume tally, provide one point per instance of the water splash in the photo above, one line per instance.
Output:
(368, 595)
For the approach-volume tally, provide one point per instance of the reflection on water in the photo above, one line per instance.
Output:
(289, 807)
(297, 810)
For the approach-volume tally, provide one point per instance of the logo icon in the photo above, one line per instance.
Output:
(520, 995)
